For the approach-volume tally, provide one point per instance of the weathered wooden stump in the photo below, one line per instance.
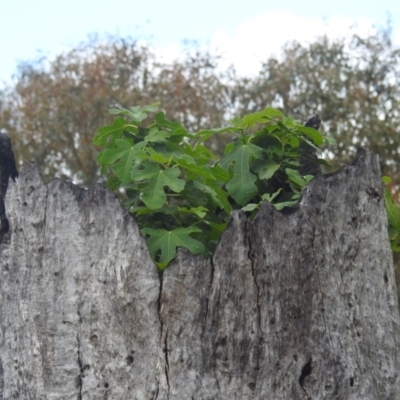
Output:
(299, 304)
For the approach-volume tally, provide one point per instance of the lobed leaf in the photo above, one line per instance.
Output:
(125, 154)
(242, 186)
(259, 117)
(115, 131)
(153, 194)
(163, 244)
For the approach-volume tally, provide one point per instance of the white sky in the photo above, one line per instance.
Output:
(245, 32)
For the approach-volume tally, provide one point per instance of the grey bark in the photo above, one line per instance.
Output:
(299, 304)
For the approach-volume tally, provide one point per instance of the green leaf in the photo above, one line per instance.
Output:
(136, 113)
(250, 207)
(294, 141)
(205, 134)
(220, 174)
(312, 133)
(157, 156)
(395, 246)
(392, 210)
(393, 234)
(199, 211)
(271, 197)
(126, 154)
(242, 186)
(113, 183)
(284, 128)
(218, 195)
(310, 143)
(176, 129)
(115, 131)
(259, 117)
(308, 178)
(163, 244)
(240, 152)
(264, 168)
(202, 170)
(165, 209)
(295, 177)
(155, 135)
(132, 199)
(216, 229)
(153, 194)
(152, 107)
(115, 111)
(386, 180)
(199, 152)
(229, 147)
(280, 206)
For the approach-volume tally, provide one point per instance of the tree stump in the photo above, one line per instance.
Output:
(299, 304)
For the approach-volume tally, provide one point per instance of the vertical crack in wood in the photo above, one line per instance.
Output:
(319, 283)
(159, 307)
(252, 257)
(45, 213)
(164, 345)
(80, 365)
(80, 376)
(166, 358)
(208, 297)
(249, 227)
(1, 380)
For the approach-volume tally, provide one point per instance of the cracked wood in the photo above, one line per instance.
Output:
(295, 305)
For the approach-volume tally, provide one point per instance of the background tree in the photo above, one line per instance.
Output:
(353, 85)
(55, 107)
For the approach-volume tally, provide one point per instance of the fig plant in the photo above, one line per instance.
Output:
(181, 194)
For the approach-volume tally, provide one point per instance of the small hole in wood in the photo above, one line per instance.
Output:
(94, 338)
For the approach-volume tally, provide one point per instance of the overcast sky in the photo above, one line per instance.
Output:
(245, 32)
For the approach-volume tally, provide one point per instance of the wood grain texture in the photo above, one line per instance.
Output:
(79, 296)
(299, 304)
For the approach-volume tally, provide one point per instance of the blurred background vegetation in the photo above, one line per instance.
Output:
(53, 107)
